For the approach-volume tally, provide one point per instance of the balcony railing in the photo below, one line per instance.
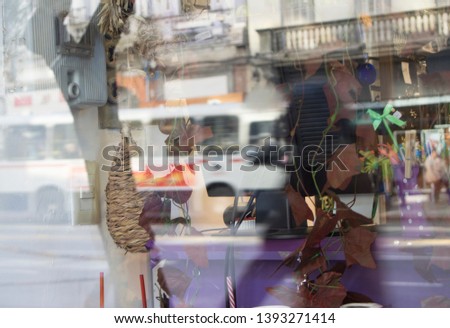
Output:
(375, 31)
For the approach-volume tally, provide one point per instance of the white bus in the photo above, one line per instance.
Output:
(42, 172)
(234, 128)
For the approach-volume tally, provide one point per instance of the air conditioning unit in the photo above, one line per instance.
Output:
(79, 67)
(192, 5)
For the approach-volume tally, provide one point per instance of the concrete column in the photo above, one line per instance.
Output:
(122, 287)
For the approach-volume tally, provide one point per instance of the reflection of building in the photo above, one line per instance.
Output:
(197, 56)
(405, 41)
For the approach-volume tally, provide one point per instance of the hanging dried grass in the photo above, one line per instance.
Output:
(113, 16)
(124, 204)
(150, 43)
(149, 38)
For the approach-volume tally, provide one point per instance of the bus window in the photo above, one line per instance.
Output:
(2, 143)
(225, 130)
(260, 131)
(25, 142)
(65, 144)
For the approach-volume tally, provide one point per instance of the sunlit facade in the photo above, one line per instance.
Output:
(226, 152)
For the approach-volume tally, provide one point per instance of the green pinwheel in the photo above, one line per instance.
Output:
(386, 118)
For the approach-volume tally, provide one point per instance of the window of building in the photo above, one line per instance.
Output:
(297, 11)
(376, 7)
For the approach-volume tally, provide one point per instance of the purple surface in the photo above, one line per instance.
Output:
(395, 283)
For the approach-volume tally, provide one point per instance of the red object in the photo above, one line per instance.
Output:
(102, 290)
(231, 292)
(143, 294)
(23, 101)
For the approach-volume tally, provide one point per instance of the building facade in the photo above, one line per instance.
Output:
(191, 50)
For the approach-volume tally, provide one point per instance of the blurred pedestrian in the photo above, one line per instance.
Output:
(436, 174)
